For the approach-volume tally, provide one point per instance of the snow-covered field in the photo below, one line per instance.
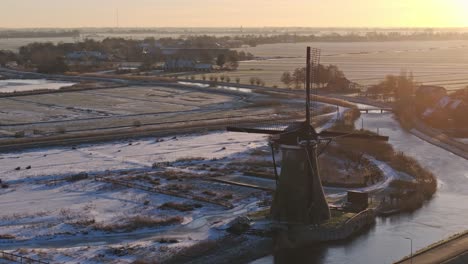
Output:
(56, 218)
(124, 154)
(63, 204)
(9, 86)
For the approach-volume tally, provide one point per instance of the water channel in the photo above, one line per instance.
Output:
(390, 239)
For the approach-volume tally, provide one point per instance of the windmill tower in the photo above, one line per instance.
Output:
(299, 197)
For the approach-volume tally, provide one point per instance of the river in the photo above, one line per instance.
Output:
(389, 240)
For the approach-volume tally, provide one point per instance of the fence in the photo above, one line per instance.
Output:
(20, 259)
(163, 191)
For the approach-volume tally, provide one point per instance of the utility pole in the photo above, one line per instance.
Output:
(411, 241)
(307, 84)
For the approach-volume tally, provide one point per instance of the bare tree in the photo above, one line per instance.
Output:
(287, 79)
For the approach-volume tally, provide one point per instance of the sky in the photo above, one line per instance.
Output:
(233, 13)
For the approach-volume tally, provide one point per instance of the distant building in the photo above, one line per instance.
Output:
(427, 96)
(341, 84)
(11, 64)
(445, 111)
(186, 65)
(83, 55)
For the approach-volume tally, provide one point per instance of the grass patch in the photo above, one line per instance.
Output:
(78, 177)
(139, 222)
(7, 236)
(337, 219)
(179, 188)
(182, 207)
(261, 214)
(190, 159)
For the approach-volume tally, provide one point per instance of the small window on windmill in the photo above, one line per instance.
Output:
(358, 200)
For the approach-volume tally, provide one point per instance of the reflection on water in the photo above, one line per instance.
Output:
(311, 254)
(441, 217)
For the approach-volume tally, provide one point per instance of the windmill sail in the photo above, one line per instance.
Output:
(299, 196)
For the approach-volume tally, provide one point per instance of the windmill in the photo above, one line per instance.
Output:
(299, 196)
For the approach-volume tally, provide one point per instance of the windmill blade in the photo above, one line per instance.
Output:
(267, 127)
(254, 130)
(333, 134)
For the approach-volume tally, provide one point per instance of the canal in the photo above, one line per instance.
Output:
(389, 240)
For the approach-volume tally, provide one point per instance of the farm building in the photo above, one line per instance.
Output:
(427, 96)
(186, 65)
(447, 112)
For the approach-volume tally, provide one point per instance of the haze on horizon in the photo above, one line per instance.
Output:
(228, 13)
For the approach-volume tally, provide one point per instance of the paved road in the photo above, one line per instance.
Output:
(442, 253)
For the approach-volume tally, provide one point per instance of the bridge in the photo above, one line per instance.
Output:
(381, 110)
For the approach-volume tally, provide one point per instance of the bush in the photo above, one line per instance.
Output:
(7, 236)
(179, 188)
(168, 241)
(137, 123)
(61, 130)
(182, 207)
(139, 222)
(209, 193)
(19, 134)
(78, 177)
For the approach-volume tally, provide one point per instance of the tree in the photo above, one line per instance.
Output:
(405, 86)
(52, 65)
(233, 60)
(299, 76)
(221, 60)
(7, 56)
(258, 81)
(287, 79)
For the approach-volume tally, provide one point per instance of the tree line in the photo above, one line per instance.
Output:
(51, 58)
(325, 75)
(39, 34)
(400, 86)
(255, 40)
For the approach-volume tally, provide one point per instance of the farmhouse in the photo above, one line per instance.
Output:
(447, 111)
(83, 55)
(427, 96)
(341, 84)
(186, 65)
(86, 57)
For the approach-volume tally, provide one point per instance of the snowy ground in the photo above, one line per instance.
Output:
(124, 154)
(49, 214)
(44, 208)
(9, 86)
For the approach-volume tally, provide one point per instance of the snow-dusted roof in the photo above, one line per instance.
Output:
(455, 104)
(444, 102)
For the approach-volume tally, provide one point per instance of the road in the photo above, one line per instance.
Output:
(440, 253)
